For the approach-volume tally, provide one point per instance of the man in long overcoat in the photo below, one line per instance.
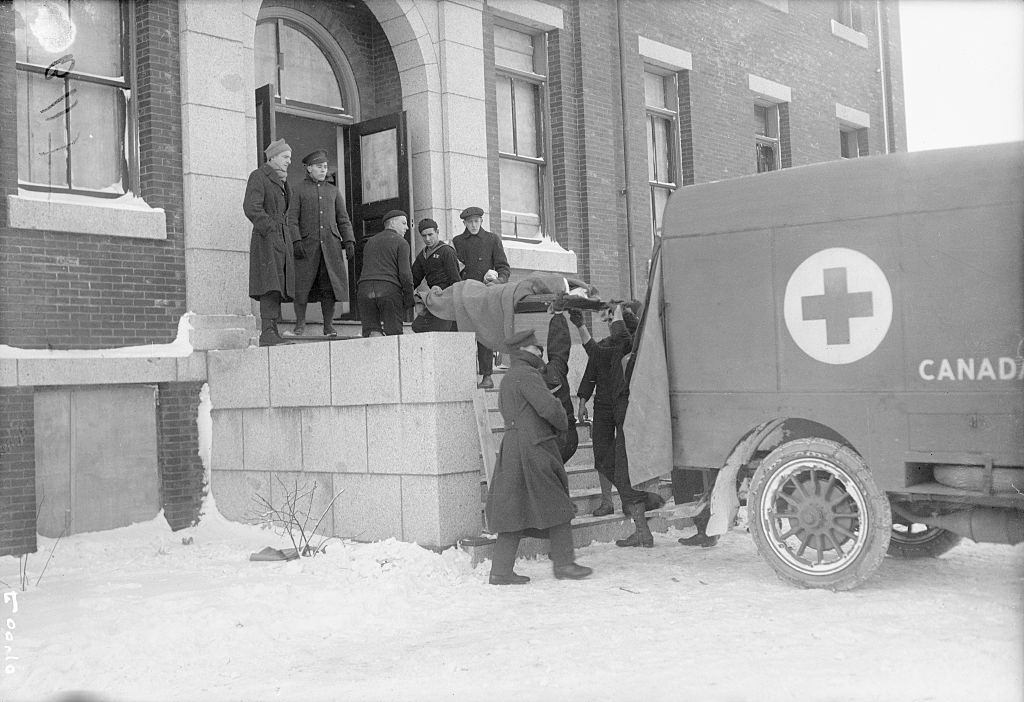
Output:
(529, 491)
(318, 211)
(271, 262)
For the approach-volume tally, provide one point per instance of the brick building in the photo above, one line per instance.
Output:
(127, 132)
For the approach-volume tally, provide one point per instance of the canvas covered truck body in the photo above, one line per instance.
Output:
(861, 323)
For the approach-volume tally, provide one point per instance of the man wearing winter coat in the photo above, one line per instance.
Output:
(437, 264)
(529, 492)
(481, 251)
(271, 257)
(318, 211)
(604, 372)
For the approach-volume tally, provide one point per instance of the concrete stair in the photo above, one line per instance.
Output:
(585, 492)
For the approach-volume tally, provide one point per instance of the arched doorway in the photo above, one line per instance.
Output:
(309, 94)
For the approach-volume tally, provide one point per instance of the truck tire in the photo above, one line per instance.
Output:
(914, 540)
(817, 516)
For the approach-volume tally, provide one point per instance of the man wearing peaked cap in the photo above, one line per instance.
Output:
(271, 246)
(528, 494)
(522, 339)
(439, 266)
(321, 217)
(481, 253)
(385, 280)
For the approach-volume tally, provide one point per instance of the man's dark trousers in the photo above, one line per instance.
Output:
(380, 306)
(606, 433)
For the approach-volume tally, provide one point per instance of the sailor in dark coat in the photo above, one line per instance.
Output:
(271, 258)
(529, 491)
(439, 266)
(318, 211)
(481, 251)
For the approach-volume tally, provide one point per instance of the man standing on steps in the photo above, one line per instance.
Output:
(318, 211)
(481, 251)
(529, 492)
(385, 282)
(438, 264)
(605, 372)
(271, 247)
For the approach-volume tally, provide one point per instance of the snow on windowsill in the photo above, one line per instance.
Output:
(181, 347)
(125, 216)
(543, 255)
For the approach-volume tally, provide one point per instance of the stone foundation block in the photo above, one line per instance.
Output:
(226, 449)
(272, 439)
(369, 507)
(234, 492)
(239, 378)
(334, 439)
(365, 371)
(300, 375)
(438, 366)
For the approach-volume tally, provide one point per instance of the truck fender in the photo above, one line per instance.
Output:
(725, 503)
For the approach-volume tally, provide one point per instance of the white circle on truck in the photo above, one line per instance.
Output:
(838, 306)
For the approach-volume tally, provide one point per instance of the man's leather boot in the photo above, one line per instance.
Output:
(642, 536)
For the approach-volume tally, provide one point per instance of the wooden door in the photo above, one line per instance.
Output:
(379, 171)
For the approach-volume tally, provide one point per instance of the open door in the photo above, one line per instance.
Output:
(379, 170)
(265, 128)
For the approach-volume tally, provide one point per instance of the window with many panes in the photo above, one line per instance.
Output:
(520, 77)
(662, 105)
(76, 128)
(768, 153)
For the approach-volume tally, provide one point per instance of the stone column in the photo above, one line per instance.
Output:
(218, 133)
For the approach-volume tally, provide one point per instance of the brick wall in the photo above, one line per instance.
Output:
(17, 472)
(728, 41)
(65, 290)
(181, 471)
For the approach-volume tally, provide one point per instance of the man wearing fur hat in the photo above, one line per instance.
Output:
(438, 264)
(271, 257)
(385, 282)
(484, 259)
(318, 211)
(529, 492)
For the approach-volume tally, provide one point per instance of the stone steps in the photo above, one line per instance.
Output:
(585, 492)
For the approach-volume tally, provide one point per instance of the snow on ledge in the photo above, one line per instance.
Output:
(125, 216)
(545, 255)
(181, 347)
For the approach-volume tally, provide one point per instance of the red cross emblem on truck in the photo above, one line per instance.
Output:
(838, 305)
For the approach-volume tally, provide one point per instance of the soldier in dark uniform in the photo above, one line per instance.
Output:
(529, 492)
(438, 264)
(318, 210)
(481, 251)
(271, 259)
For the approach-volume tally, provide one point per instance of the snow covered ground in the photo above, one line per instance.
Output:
(135, 614)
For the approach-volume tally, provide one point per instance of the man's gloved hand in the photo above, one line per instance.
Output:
(297, 249)
(350, 249)
(576, 317)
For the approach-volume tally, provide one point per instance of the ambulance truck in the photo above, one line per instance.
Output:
(849, 337)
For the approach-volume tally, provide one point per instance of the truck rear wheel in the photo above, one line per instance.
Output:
(914, 540)
(817, 515)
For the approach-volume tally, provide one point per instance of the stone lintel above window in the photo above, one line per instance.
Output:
(849, 34)
(769, 90)
(529, 13)
(664, 56)
(850, 117)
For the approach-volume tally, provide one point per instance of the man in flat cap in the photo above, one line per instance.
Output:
(385, 282)
(438, 264)
(529, 492)
(484, 259)
(271, 257)
(318, 211)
